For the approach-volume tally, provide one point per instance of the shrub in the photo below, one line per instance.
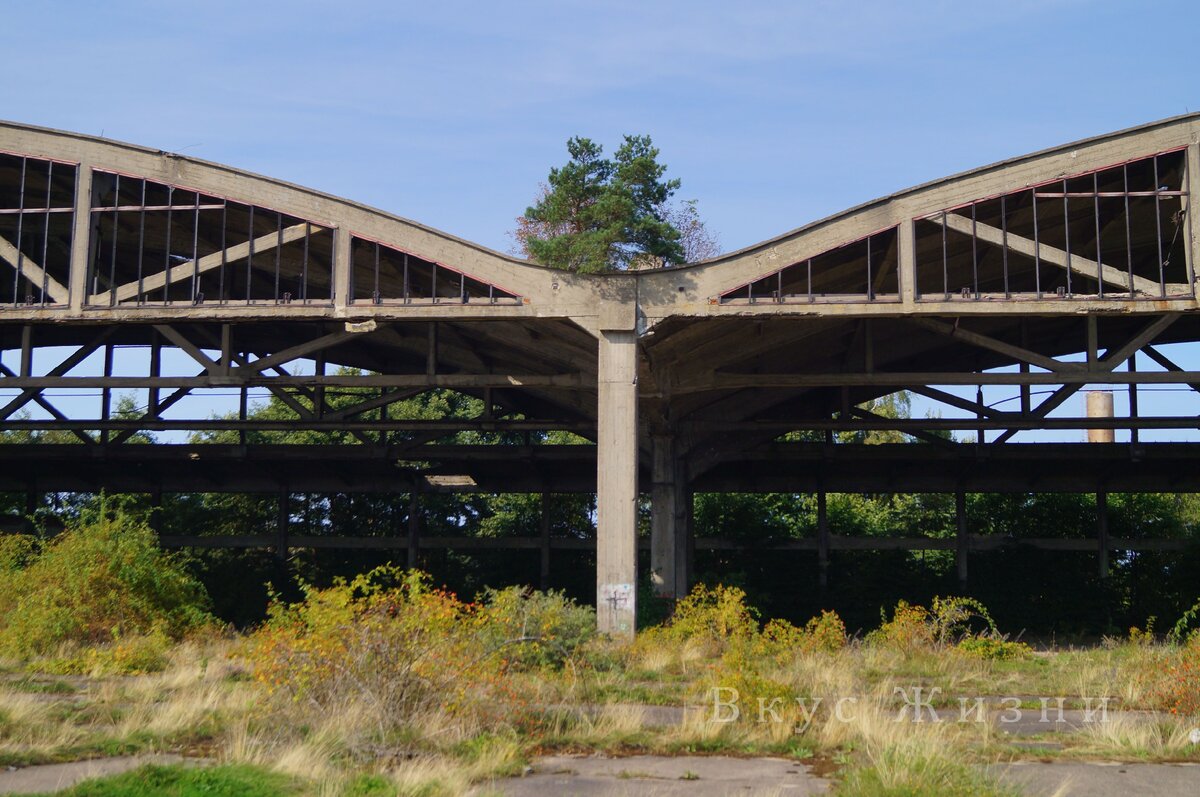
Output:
(717, 613)
(102, 581)
(1178, 688)
(825, 633)
(908, 629)
(539, 628)
(993, 648)
(949, 621)
(390, 640)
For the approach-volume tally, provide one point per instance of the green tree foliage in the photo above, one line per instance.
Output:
(103, 579)
(599, 213)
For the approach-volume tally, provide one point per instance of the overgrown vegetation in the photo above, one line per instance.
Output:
(101, 594)
(384, 682)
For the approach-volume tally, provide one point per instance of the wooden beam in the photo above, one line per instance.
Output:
(836, 542)
(1045, 253)
(33, 272)
(161, 279)
(998, 346)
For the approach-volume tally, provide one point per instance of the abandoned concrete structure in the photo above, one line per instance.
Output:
(1054, 269)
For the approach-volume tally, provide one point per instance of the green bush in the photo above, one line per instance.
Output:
(102, 581)
(718, 613)
(994, 648)
(537, 628)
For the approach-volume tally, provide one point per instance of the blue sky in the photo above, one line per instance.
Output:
(451, 113)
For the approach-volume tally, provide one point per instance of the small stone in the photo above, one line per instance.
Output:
(1194, 736)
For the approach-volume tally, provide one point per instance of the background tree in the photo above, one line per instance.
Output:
(596, 214)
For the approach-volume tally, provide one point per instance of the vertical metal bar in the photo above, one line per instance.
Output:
(224, 249)
(974, 252)
(980, 436)
(196, 250)
(155, 367)
(1128, 232)
(302, 288)
(1162, 280)
(106, 392)
(1093, 341)
(226, 348)
(1037, 249)
(319, 390)
(1067, 234)
(141, 243)
(1131, 367)
(810, 289)
(1023, 367)
(26, 351)
(112, 266)
(1004, 243)
(433, 291)
(406, 277)
(779, 285)
(945, 262)
(20, 231)
(46, 234)
(375, 294)
(278, 251)
(250, 257)
(462, 288)
(1099, 248)
(243, 408)
(870, 284)
(171, 203)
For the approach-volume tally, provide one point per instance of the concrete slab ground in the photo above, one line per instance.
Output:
(661, 776)
(1077, 779)
(53, 777)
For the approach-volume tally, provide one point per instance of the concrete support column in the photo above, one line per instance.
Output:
(616, 483)
(80, 238)
(823, 540)
(414, 529)
(1100, 405)
(670, 519)
(906, 246)
(282, 521)
(663, 498)
(341, 267)
(544, 528)
(685, 538)
(962, 541)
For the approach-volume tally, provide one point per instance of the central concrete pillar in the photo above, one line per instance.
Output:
(616, 483)
(670, 519)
